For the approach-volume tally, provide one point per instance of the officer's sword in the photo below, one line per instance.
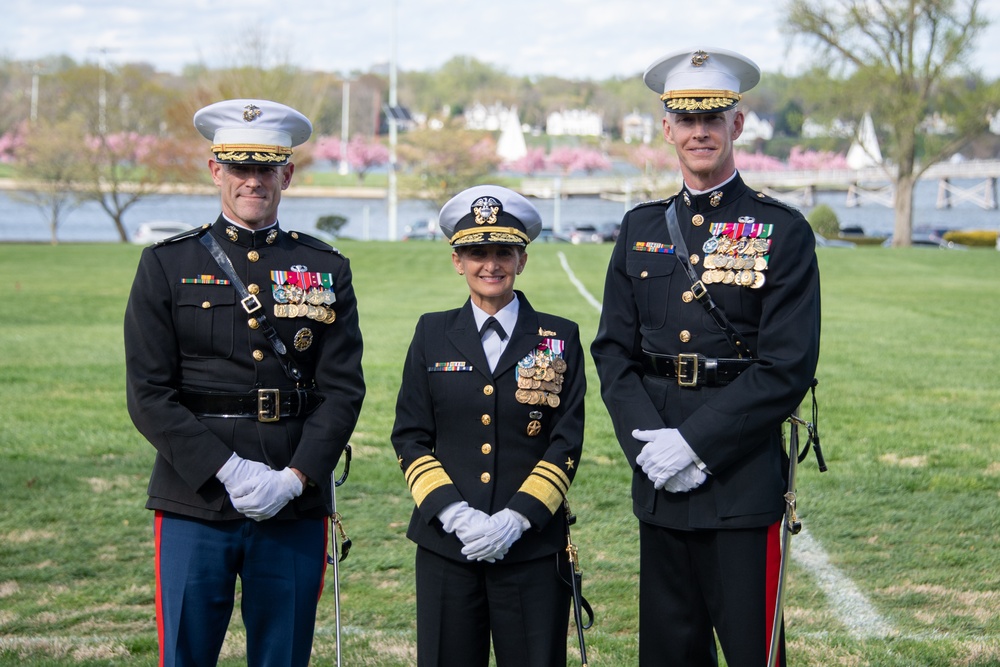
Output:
(790, 526)
(333, 558)
(580, 604)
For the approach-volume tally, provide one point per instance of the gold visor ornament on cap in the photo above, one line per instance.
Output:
(486, 210)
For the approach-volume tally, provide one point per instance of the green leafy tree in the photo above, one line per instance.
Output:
(897, 55)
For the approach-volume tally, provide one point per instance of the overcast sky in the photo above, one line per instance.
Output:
(570, 38)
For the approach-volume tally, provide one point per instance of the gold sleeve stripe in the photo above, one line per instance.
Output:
(548, 484)
(424, 476)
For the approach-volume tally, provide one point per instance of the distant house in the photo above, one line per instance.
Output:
(574, 123)
(836, 128)
(491, 118)
(637, 127)
(756, 130)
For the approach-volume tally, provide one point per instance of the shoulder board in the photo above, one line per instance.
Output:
(654, 202)
(196, 231)
(314, 242)
(768, 199)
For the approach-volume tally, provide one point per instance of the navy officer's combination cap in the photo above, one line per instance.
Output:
(701, 80)
(488, 215)
(246, 131)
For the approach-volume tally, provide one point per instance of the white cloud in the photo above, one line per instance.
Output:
(571, 38)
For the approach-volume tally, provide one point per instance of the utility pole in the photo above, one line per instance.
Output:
(391, 118)
(345, 116)
(102, 92)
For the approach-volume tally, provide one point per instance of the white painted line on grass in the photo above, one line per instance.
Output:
(853, 609)
(576, 282)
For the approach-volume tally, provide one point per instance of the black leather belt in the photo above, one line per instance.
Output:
(695, 370)
(265, 405)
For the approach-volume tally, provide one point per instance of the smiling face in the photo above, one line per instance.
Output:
(490, 271)
(704, 144)
(251, 193)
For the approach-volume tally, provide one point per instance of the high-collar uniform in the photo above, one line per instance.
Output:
(462, 434)
(649, 306)
(186, 331)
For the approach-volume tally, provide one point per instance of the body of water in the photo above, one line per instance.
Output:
(368, 218)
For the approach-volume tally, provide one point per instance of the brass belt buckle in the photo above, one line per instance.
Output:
(268, 405)
(687, 370)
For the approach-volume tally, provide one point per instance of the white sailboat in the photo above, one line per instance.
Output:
(864, 151)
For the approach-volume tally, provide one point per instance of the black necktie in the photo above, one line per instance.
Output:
(491, 323)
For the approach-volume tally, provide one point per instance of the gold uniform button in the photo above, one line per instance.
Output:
(698, 220)
(695, 259)
(206, 304)
(486, 420)
(487, 448)
(485, 478)
(488, 390)
(685, 336)
(253, 323)
(253, 255)
(687, 297)
(644, 274)
(253, 288)
(258, 355)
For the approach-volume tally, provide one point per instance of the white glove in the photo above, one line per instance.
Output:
(272, 492)
(240, 475)
(665, 455)
(686, 480)
(464, 521)
(506, 526)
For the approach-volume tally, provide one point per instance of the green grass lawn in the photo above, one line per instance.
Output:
(908, 512)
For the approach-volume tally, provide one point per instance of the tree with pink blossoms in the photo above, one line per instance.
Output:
(572, 159)
(364, 154)
(532, 163)
(810, 160)
(123, 168)
(757, 162)
(651, 159)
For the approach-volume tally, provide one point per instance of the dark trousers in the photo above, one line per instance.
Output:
(524, 606)
(280, 565)
(693, 581)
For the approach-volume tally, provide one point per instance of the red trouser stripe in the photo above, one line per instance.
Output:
(157, 531)
(327, 532)
(773, 565)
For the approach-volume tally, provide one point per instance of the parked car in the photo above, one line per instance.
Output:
(605, 232)
(422, 230)
(157, 230)
(928, 237)
(549, 236)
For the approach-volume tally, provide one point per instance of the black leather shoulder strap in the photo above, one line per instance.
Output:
(700, 291)
(252, 306)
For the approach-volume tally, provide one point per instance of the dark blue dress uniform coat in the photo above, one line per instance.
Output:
(460, 434)
(186, 330)
(734, 429)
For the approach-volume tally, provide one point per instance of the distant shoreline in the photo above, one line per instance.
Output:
(352, 192)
